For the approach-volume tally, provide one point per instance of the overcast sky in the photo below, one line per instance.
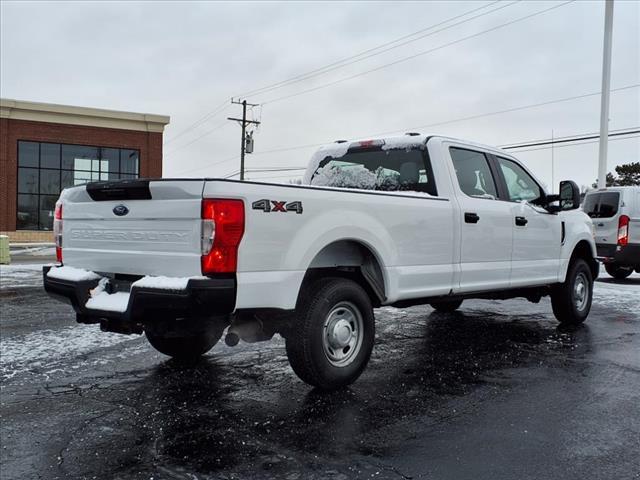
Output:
(186, 59)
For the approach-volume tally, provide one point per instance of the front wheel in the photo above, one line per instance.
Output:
(616, 271)
(330, 343)
(571, 300)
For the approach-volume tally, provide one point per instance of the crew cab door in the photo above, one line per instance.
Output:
(486, 231)
(537, 234)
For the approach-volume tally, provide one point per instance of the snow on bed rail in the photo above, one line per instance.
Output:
(72, 274)
(163, 283)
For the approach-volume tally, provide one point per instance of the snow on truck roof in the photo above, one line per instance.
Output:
(341, 147)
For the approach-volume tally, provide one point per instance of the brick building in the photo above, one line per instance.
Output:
(45, 148)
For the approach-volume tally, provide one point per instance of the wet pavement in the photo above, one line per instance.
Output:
(494, 391)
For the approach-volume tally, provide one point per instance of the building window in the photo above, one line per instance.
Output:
(44, 169)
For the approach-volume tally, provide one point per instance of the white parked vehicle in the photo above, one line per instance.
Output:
(615, 212)
(433, 220)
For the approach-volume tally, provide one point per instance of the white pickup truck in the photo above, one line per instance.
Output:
(397, 221)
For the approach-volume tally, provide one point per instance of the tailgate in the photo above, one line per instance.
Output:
(139, 227)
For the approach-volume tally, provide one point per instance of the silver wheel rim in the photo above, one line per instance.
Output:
(342, 334)
(581, 291)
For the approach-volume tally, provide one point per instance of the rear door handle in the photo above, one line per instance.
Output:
(521, 221)
(470, 217)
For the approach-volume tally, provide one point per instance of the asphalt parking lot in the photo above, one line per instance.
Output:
(494, 391)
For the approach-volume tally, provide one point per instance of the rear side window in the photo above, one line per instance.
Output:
(388, 170)
(473, 172)
(602, 204)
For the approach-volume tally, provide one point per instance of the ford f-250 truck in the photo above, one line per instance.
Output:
(431, 220)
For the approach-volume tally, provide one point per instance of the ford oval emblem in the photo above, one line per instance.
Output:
(120, 210)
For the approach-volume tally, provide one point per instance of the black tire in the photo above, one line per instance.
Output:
(616, 271)
(446, 306)
(324, 306)
(185, 346)
(569, 305)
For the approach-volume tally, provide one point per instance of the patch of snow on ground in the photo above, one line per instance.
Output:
(12, 276)
(622, 295)
(37, 251)
(72, 274)
(44, 348)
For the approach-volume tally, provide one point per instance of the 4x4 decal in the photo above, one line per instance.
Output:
(276, 206)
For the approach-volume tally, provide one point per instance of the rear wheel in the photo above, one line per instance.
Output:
(446, 306)
(616, 271)
(185, 345)
(571, 300)
(330, 343)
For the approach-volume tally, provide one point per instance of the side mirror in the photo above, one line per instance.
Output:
(569, 195)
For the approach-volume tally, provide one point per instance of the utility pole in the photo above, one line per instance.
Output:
(553, 181)
(243, 123)
(604, 97)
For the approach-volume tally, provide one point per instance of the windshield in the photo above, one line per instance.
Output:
(602, 204)
(387, 170)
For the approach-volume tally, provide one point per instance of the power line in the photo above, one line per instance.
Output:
(209, 132)
(513, 109)
(446, 122)
(326, 68)
(578, 144)
(420, 53)
(372, 52)
(528, 150)
(274, 176)
(410, 57)
(219, 109)
(341, 63)
(461, 119)
(589, 136)
(568, 141)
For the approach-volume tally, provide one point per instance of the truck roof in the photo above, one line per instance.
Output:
(339, 148)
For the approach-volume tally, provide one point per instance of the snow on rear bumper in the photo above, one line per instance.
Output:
(199, 297)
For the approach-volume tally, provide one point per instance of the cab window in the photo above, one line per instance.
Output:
(520, 185)
(387, 170)
(473, 172)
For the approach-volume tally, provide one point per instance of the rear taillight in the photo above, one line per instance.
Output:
(623, 230)
(57, 231)
(222, 230)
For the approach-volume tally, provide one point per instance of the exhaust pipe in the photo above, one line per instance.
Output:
(248, 328)
(231, 338)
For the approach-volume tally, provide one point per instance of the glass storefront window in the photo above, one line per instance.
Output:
(129, 161)
(47, 168)
(28, 153)
(50, 155)
(27, 216)
(27, 180)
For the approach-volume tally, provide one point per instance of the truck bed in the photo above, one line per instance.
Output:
(286, 228)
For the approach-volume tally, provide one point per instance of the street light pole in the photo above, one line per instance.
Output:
(604, 97)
